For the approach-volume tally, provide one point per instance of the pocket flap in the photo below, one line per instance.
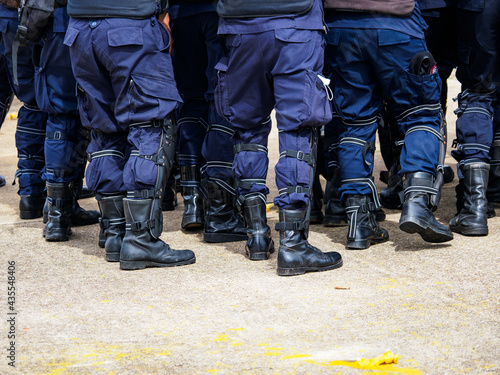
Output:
(155, 87)
(125, 36)
(70, 36)
(390, 37)
(293, 35)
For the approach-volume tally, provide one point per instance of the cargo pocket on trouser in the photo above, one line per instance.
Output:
(317, 109)
(221, 96)
(140, 170)
(149, 98)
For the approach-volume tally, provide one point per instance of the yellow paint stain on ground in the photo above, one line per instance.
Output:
(379, 370)
(236, 329)
(295, 356)
(222, 337)
(106, 300)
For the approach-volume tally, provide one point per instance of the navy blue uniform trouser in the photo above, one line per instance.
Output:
(31, 123)
(478, 51)
(125, 79)
(275, 69)
(370, 67)
(203, 137)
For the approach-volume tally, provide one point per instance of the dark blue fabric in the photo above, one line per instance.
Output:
(186, 10)
(31, 123)
(55, 94)
(372, 66)
(275, 69)
(413, 25)
(125, 76)
(197, 49)
(478, 46)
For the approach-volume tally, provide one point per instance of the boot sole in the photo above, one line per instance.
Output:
(426, 233)
(364, 244)
(193, 226)
(27, 215)
(473, 232)
(261, 255)
(113, 257)
(303, 270)
(141, 264)
(334, 221)
(57, 236)
(223, 237)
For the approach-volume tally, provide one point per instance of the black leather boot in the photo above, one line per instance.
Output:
(112, 222)
(316, 215)
(170, 199)
(259, 245)
(141, 245)
(86, 193)
(472, 219)
(60, 203)
(416, 216)
(493, 191)
(335, 215)
(223, 222)
(459, 191)
(79, 216)
(31, 206)
(364, 230)
(296, 256)
(193, 200)
(2, 180)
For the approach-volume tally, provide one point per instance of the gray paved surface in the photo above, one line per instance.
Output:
(435, 306)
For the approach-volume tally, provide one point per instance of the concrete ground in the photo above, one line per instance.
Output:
(436, 306)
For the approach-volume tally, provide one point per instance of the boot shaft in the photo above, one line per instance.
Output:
(475, 183)
(254, 212)
(293, 228)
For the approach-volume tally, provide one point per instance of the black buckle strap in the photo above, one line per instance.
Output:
(300, 155)
(144, 194)
(138, 226)
(295, 189)
(295, 225)
(249, 147)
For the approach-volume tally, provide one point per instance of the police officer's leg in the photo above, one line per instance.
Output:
(298, 121)
(62, 162)
(191, 129)
(149, 165)
(223, 223)
(335, 214)
(479, 33)
(250, 168)
(493, 192)
(359, 106)
(317, 195)
(106, 154)
(358, 191)
(30, 130)
(6, 97)
(189, 58)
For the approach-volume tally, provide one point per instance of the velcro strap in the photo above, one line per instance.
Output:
(247, 183)
(295, 189)
(249, 147)
(295, 225)
(24, 129)
(106, 223)
(421, 189)
(144, 194)
(419, 108)
(473, 146)
(300, 155)
(222, 129)
(138, 226)
(427, 129)
(59, 136)
(103, 153)
(361, 122)
(154, 158)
